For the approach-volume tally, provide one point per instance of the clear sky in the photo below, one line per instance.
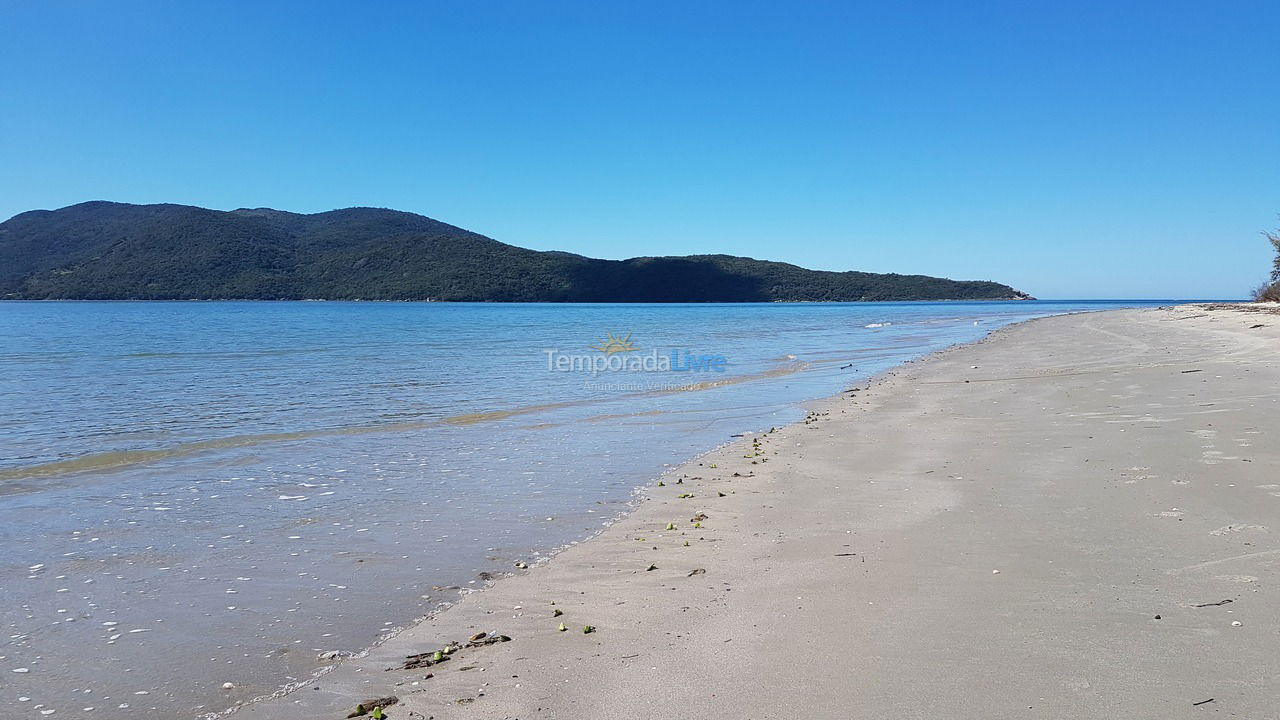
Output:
(1107, 149)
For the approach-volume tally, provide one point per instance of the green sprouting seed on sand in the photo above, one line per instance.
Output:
(686, 543)
(684, 496)
(377, 714)
(562, 627)
(697, 525)
(588, 629)
(557, 613)
(438, 656)
(713, 465)
(661, 484)
(671, 526)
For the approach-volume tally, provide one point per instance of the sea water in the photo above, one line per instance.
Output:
(200, 493)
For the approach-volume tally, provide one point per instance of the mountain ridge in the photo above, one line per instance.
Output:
(106, 250)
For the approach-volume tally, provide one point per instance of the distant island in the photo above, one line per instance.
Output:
(118, 251)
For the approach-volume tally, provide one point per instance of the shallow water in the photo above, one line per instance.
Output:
(200, 493)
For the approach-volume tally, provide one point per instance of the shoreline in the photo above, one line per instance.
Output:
(640, 495)
(520, 607)
(373, 541)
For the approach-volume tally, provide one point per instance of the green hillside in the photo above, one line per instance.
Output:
(104, 250)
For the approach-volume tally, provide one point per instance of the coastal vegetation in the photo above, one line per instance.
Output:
(1270, 291)
(105, 250)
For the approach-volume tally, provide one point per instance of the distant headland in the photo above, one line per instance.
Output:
(117, 251)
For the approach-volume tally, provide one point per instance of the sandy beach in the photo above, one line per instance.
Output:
(1075, 517)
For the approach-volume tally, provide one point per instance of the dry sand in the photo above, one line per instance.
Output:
(1112, 467)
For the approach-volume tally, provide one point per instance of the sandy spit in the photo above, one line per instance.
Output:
(1077, 517)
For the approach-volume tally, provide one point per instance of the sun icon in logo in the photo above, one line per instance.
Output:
(616, 344)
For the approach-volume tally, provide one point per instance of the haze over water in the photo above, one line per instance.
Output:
(200, 493)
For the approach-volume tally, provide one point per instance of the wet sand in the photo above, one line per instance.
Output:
(1077, 517)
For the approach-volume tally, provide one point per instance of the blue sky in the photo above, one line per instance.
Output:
(1104, 149)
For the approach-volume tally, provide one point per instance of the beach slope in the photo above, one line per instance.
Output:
(1077, 517)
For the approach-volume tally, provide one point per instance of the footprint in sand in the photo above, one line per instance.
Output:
(1213, 457)
(1135, 478)
(1237, 578)
(1236, 528)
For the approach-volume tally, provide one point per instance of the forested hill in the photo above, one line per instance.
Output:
(105, 250)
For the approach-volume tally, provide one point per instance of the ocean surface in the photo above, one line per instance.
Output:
(200, 493)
